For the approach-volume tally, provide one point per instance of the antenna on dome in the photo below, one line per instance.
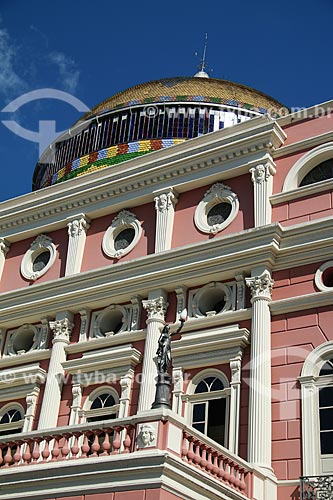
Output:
(202, 66)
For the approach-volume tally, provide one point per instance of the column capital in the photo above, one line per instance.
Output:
(77, 225)
(261, 286)
(156, 308)
(235, 368)
(262, 172)
(4, 246)
(62, 329)
(164, 200)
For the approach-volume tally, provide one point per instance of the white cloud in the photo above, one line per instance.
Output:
(68, 70)
(10, 81)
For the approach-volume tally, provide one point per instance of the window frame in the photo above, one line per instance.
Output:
(86, 412)
(18, 424)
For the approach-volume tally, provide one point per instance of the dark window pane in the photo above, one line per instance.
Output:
(326, 396)
(201, 387)
(41, 261)
(326, 419)
(15, 415)
(199, 427)
(326, 442)
(218, 213)
(217, 385)
(199, 412)
(124, 238)
(327, 369)
(321, 172)
(216, 420)
(108, 400)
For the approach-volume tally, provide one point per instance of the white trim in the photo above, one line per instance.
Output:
(306, 163)
(41, 244)
(218, 193)
(98, 316)
(319, 276)
(124, 220)
(86, 411)
(195, 297)
(39, 339)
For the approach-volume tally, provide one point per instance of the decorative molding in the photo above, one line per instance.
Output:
(42, 243)
(115, 313)
(136, 312)
(165, 202)
(262, 172)
(84, 318)
(124, 220)
(181, 292)
(147, 435)
(319, 276)
(261, 286)
(309, 142)
(26, 338)
(262, 179)
(18, 382)
(199, 299)
(78, 226)
(302, 192)
(4, 247)
(216, 194)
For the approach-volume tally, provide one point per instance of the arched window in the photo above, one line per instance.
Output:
(326, 408)
(321, 172)
(11, 419)
(102, 404)
(210, 406)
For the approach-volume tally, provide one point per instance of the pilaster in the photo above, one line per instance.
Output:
(262, 178)
(235, 384)
(76, 404)
(4, 247)
(165, 202)
(310, 427)
(77, 230)
(31, 401)
(260, 418)
(156, 307)
(85, 318)
(126, 383)
(178, 388)
(62, 329)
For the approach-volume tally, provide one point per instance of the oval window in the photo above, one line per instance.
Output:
(41, 261)
(218, 213)
(124, 238)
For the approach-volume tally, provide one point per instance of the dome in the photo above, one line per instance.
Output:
(146, 118)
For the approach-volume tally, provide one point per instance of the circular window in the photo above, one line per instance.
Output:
(217, 209)
(324, 276)
(218, 214)
(111, 322)
(39, 258)
(41, 261)
(122, 236)
(211, 302)
(23, 340)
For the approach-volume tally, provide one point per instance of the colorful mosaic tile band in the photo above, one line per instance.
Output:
(188, 98)
(109, 156)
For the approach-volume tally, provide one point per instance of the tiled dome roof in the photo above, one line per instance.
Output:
(188, 89)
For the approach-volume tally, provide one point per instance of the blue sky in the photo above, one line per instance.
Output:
(95, 49)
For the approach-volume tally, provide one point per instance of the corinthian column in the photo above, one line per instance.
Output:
(4, 247)
(77, 230)
(262, 178)
(260, 418)
(156, 307)
(165, 202)
(62, 329)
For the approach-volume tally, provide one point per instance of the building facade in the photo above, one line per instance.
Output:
(234, 223)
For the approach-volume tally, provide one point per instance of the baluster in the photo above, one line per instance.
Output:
(26, 455)
(237, 476)
(106, 445)
(203, 461)
(55, 452)
(227, 470)
(8, 457)
(184, 446)
(95, 446)
(232, 478)
(190, 453)
(128, 440)
(17, 455)
(65, 447)
(116, 441)
(36, 453)
(221, 473)
(197, 457)
(242, 485)
(215, 469)
(85, 448)
(46, 449)
(75, 448)
(209, 465)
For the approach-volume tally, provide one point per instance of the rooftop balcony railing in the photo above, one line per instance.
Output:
(316, 487)
(112, 438)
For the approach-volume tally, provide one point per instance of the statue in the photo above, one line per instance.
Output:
(164, 350)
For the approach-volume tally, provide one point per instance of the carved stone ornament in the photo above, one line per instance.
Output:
(4, 247)
(164, 201)
(124, 220)
(261, 286)
(261, 173)
(147, 436)
(62, 329)
(77, 226)
(156, 308)
(218, 193)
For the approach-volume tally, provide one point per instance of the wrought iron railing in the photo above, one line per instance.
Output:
(316, 488)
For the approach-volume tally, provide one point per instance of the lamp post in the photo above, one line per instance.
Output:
(163, 353)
